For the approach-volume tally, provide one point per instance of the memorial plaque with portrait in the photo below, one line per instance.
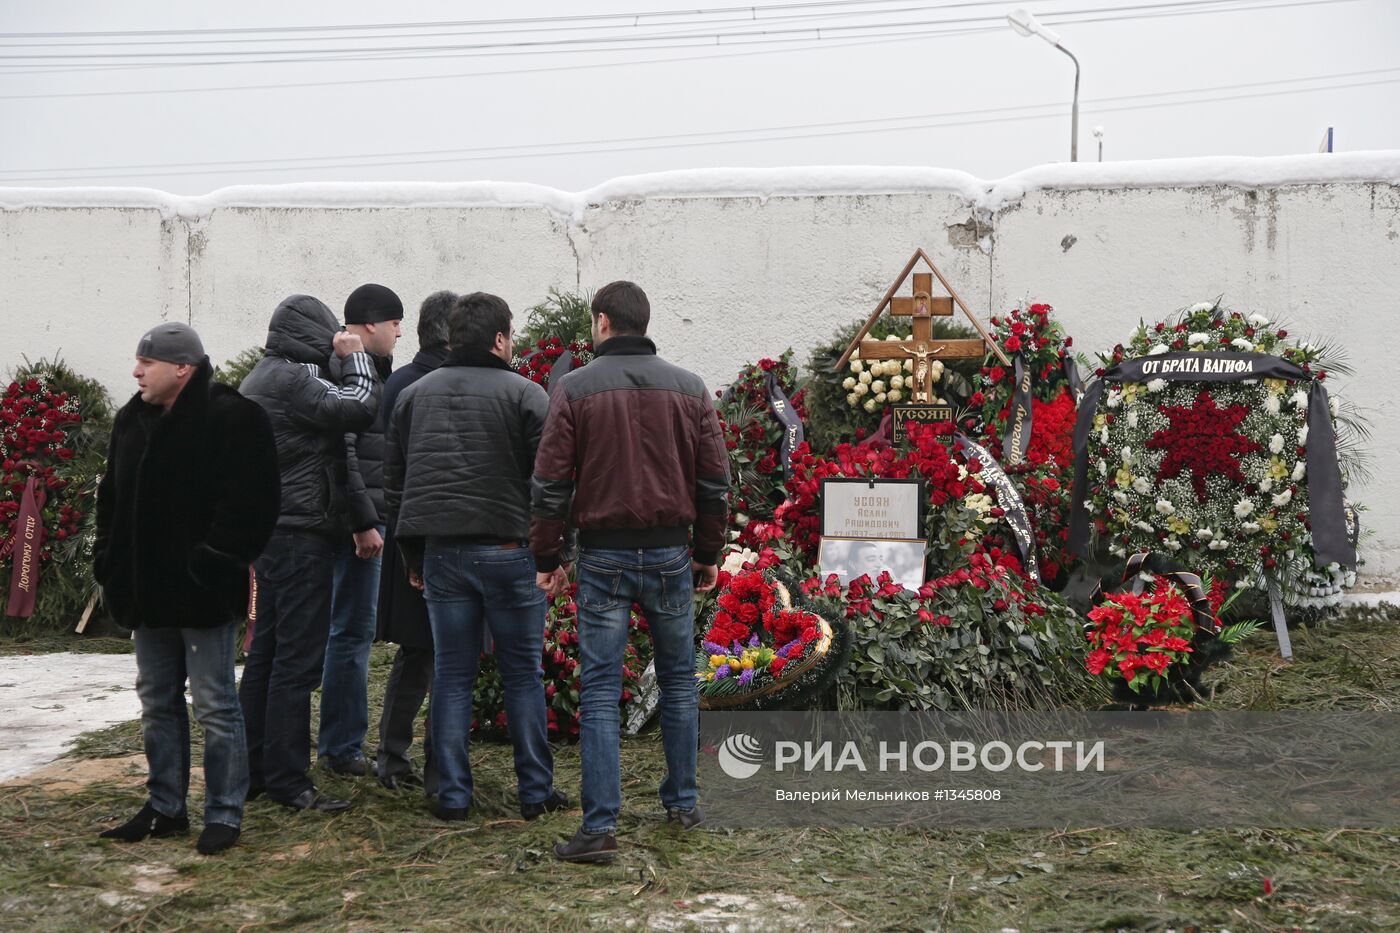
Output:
(850, 558)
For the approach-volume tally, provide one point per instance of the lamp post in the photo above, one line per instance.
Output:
(1098, 134)
(1027, 25)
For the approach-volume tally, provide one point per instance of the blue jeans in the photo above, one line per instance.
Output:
(609, 582)
(164, 658)
(286, 658)
(345, 677)
(469, 588)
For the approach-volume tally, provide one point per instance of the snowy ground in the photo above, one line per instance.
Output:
(48, 700)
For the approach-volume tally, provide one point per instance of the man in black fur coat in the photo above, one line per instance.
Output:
(187, 502)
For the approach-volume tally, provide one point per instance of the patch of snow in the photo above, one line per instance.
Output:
(48, 700)
(1371, 599)
(984, 196)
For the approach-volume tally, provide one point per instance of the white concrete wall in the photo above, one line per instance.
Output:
(743, 266)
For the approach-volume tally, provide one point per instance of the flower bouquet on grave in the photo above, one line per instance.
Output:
(754, 437)
(560, 324)
(761, 651)
(1156, 635)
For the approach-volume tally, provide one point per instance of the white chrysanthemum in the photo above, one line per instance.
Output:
(1141, 486)
(1133, 418)
(1299, 399)
(848, 383)
(1251, 527)
(861, 388)
(1302, 435)
(894, 395)
(1157, 349)
(878, 386)
(1200, 306)
(1218, 545)
(1284, 497)
(1276, 444)
(1156, 385)
(1240, 343)
(1243, 508)
(1164, 507)
(1197, 339)
(1300, 469)
(1127, 454)
(1205, 534)
(1258, 320)
(1120, 496)
(1114, 399)
(1266, 484)
(1272, 405)
(865, 378)
(1144, 526)
(857, 366)
(871, 405)
(1103, 468)
(1172, 544)
(853, 399)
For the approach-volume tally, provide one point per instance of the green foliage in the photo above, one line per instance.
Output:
(234, 371)
(564, 315)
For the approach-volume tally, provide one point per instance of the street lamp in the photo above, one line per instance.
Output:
(1098, 134)
(1027, 25)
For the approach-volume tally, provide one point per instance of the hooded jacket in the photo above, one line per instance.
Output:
(186, 503)
(311, 415)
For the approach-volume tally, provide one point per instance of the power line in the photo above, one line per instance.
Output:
(249, 56)
(794, 131)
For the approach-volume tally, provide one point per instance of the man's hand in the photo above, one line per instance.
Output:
(555, 583)
(415, 580)
(706, 576)
(368, 544)
(344, 343)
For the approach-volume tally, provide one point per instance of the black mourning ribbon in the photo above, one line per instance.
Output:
(1017, 439)
(1189, 583)
(781, 407)
(1011, 503)
(1332, 540)
(561, 368)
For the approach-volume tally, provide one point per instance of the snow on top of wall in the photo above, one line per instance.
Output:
(763, 183)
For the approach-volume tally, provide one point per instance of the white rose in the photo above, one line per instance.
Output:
(1205, 534)
(878, 386)
(1157, 349)
(1284, 497)
(865, 378)
(1299, 470)
(894, 395)
(857, 366)
(1272, 404)
(896, 381)
(1156, 385)
(848, 383)
(1196, 339)
(1258, 320)
(735, 560)
(1243, 508)
(1165, 507)
(1302, 435)
(893, 337)
(1141, 486)
(1127, 453)
(1201, 306)
(853, 399)
(880, 398)
(936, 370)
(1239, 343)
(1276, 444)
(871, 405)
(908, 366)
(1132, 418)
(1299, 399)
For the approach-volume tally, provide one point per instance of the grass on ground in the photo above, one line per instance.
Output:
(389, 865)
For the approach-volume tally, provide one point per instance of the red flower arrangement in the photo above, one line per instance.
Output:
(1136, 639)
(1203, 440)
(537, 363)
(754, 635)
(752, 436)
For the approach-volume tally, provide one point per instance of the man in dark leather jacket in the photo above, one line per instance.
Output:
(310, 417)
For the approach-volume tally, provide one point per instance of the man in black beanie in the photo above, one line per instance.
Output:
(187, 502)
(311, 411)
(373, 313)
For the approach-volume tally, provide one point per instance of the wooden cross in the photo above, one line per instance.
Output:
(922, 307)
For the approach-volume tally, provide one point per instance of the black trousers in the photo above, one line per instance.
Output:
(410, 680)
(285, 660)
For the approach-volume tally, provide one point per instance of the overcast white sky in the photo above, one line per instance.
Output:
(890, 82)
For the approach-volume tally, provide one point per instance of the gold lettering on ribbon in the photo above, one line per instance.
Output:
(1016, 430)
(26, 557)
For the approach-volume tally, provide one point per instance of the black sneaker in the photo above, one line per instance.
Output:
(216, 838)
(556, 800)
(313, 799)
(587, 847)
(688, 819)
(148, 822)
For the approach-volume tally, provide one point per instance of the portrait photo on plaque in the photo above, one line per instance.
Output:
(880, 509)
(850, 558)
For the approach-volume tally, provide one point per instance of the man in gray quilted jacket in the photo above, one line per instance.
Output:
(461, 449)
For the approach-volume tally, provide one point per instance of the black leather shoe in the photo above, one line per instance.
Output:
(587, 847)
(358, 766)
(216, 838)
(148, 822)
(450, 814)
(400, 781)
(556, 800)
(313, 799)
(689, 819)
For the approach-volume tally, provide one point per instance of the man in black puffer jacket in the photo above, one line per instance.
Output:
(187, 501)
(461, 450)
(310, 417)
